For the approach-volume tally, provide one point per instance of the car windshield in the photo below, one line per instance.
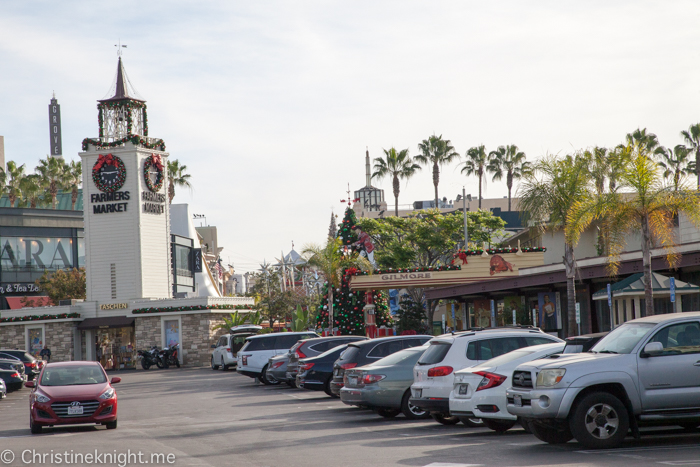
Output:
(72, 375)
(623, 339)
(335, 350)
(401, 356)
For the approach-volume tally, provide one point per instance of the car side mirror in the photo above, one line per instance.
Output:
(651, 349)
(213, 346)
(115, 380)
(29, 384)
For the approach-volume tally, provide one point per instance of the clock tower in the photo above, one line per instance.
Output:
(127, 220)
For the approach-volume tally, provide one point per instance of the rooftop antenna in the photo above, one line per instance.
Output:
(350, 200)
(119, 47)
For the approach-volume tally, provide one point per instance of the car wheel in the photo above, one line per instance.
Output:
(267, 380)
(523, 423)
(388, 413)
(34, 428)
(472, 422)
(600, 420)
(111, 425)
(224, 367)
(177, 363)
(410, 411)
(213, 367)
(292, 383)
(444, 419)
(550, 435)
(327, 389)
(145, 365)
(499, 426)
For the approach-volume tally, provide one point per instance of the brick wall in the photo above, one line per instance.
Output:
(12, 337)
(198, 335)
(59, 338)
(147, 332)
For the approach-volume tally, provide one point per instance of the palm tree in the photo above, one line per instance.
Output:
(436, 151)
(31, 189)
(13, 175)
(692, 140)
(177, 176)
(3, 179)
(547, 199)
(73, 180)
(396, 165)
(331, 261)
(53, 175)
(235, 320)
(646, 206)
(675, 163)
(476, 164)
(641, 140)
(510, 161)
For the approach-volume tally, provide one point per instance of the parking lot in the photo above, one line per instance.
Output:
(206, 418)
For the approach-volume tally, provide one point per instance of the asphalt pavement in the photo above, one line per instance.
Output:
(201, 417)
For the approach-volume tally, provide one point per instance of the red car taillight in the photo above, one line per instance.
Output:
(347, 366)
(369, 379)
(306, 366)
(300, 354)
(491, 380)
(277, 364)
(14, 375)
(31, 365)
(228, 349)
(440, 371)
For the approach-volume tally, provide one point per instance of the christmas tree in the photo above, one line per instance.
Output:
(348, 305)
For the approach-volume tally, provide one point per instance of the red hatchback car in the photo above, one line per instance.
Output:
(71, 393)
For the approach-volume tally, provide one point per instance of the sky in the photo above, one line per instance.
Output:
(271, 104)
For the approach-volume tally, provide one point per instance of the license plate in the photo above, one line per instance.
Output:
(75, 410)
(352, 381)
(463, 389)
(418, 393)
(244, 359)
(518, 401)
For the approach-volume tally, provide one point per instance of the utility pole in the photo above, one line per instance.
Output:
(464, 209)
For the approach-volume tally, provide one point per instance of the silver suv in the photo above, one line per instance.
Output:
(646, 371)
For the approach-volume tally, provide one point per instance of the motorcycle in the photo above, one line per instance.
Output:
(169, 356)
(150, 357)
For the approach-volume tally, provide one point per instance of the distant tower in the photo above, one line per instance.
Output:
(333, 228)
(126, 211)
(55, 127)
(371, 198)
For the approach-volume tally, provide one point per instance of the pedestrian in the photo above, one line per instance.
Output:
(45, 353)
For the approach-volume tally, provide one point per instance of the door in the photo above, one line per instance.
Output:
(671, 378)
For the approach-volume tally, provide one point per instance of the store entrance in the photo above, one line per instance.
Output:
(114, 348)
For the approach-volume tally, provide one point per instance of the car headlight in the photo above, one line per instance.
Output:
(547, 378)
(108, 394)
(41, 398)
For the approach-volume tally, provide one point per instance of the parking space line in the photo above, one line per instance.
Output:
(643, 449)
(689, 462)
(451, 464)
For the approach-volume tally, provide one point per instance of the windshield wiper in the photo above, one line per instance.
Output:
(608, 351)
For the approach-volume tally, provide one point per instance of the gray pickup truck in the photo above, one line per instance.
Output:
(645, 372)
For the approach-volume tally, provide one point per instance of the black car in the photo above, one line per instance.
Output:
(31, 364)
(584, 343)
(12, 373)
(316, 373)
(362, 353)
(311, 348)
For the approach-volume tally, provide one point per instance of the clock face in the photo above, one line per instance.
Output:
(109, 175)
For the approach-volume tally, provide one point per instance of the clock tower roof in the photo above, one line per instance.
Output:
(123, 90)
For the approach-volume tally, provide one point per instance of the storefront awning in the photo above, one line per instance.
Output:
(15, 303)
(108, 322)
(633, 286)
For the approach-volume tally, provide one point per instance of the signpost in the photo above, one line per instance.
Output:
(673, 289)
(578, 317)
(454, 320)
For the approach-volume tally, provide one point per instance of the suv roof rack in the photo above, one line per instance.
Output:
(507, 328)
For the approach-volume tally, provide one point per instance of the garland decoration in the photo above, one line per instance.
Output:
(19, 319)
(406, 270)
(171, 309)
(115, 162)
(156, 161)
(136, 140)
(461, 254)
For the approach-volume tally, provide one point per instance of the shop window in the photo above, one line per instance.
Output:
(35, 340)
(115, 348)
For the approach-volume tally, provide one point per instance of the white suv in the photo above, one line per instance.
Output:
(433, 375)
(253, 357)
(224, 353)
